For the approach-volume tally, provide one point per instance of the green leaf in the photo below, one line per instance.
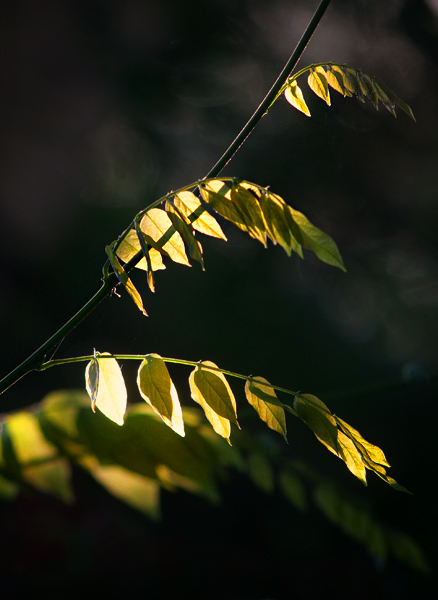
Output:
(394, 99)
(211, 390)
(316, 240)
(124, 279)
(192, 210)
(134, 489)
(264, 400)
(293, 489)
(408, 551)
(161, 234)
(61, 409)
(106, 387)
(158, 390)
(317, 81)
(260, 472)
(371, 90)
(38, 459)
(318, 417)
(8, 489)
(294, 96)
(193, 246)
(52, 478)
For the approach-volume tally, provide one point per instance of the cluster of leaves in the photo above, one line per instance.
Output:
(210, 389)
(348, 82)
(40, 445)
(171, 231)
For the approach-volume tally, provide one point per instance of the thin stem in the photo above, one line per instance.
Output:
(35, 360)
(178, 361)
(273, 92)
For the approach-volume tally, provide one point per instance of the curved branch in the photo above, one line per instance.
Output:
(35, 360)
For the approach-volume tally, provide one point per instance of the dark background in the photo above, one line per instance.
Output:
(106, 106)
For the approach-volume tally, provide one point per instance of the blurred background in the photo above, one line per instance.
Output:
(105, 107)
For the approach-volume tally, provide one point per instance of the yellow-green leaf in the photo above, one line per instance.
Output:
(158, 390)
(162, 235)
(129, 247)
(316, 240)
(218, 195)
(294, 96)
(318, 417)
(340, 81)
(52, 477)
(317, 81)
(248, 205)
(352, 458)
(138, 491)
(124, 279)
(335, 79)
(277, 228)
(185, 230)
(264, 400)
(106, 387)
(192, 210)
(38, 458)
(374, 453)
(211, 390)
(28, 441)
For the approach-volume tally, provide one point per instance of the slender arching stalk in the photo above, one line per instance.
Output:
(36, 359)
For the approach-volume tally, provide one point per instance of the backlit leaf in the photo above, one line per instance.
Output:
(162, 235)
(248, 205)
(294, 96)
(316, 240)
(28, 440)
(264, 400)
(318, 417)
(158, 390)
(218, 195)
(39, 462)
(192, 210)
(124, 279)
(317, 81)
(129, 247)
(277, 227)
(193, 246)
(106, 387)
(352, 458)
(211, 390)
(374, 453)
(52, 477)
(136, 490)
(335, 79)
